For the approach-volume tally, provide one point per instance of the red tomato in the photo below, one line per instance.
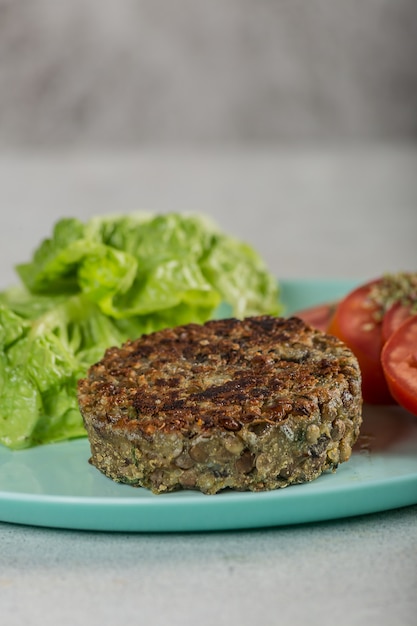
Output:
(317, 316)
(399, 360)
(393, 318)
(356, 323)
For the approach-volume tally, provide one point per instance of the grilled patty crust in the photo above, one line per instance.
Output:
(253, 404)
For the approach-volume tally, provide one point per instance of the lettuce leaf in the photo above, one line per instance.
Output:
(96, 284)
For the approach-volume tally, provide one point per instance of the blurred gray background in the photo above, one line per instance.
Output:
(143, 72)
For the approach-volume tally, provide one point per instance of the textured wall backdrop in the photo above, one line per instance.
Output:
(134, 72)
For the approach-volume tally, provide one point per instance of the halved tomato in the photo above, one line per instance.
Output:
(399, 362)
(358, 322)
(317, 316)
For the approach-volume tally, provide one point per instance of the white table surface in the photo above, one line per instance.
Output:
(312, 213)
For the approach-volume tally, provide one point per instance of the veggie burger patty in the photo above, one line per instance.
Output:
(253, 404)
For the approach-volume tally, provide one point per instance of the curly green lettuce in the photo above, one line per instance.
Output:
(96, 284)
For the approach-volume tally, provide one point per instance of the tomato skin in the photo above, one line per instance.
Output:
(317, 316)
(394, 318)
(354, 323)
(399, 362)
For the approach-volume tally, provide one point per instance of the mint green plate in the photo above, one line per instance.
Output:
(55, 485)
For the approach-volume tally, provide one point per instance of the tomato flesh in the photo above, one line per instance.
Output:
(399, 361)
(393, 318)
(355, 323)
(317, 316)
